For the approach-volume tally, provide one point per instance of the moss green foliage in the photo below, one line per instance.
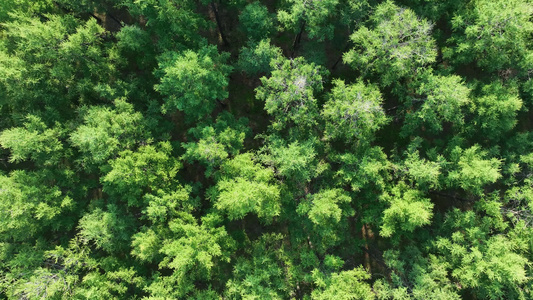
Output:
(246, 149)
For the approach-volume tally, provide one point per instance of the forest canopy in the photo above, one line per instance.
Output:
(278, 149)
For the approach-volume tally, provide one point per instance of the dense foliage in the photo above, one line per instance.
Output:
(280, 149)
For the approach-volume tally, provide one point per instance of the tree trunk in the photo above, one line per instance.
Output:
(114, 19)
(219, 25)
(340, 57)
(367, 253)
(298, 38)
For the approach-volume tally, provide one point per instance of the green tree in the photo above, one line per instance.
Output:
(425, 173)
(260, 274)
(396, 44)
(256, 22)
(407, 211)
(489, 265)
(435, 102)
(296, 162)
(353, 112)
(343, 285)
(216, 142)
(8, 8)
(192, 82)
(289, 93)
(327, 210)
(36, 142)
(244, 187)
(492, 34)
(106, 132)
(32, 204)
(415, 275)
(71, 273)
(495, 110)
(108, 230)
(313, 16)
(471, 170)
(132, 174)
(174, 23)
(53, 66)
(255, 58)
(192, 251)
